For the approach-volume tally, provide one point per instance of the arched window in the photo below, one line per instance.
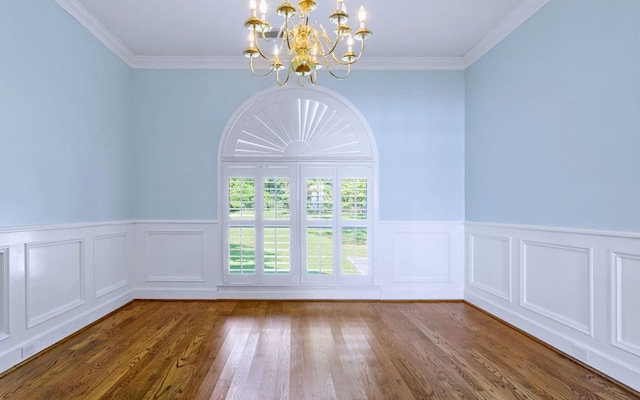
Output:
(298, 190)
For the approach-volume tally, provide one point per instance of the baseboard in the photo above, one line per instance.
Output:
(175, 294)
(37, 343)
(301, 293)
(617, 370)
(574, 289)
(423, 293)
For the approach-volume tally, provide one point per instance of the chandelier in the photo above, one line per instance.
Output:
(303, 47)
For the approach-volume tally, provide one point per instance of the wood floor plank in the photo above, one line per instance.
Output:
(303, 350)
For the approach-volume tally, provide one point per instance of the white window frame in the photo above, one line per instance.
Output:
(259, 174)
(337, 174)
(299, 130)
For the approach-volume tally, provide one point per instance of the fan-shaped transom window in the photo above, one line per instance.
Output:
(298, 191)
(299, 123)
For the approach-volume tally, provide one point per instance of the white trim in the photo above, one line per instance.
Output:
(352, 118)
(174, 294)
(595, 342)
(240, 63)
(495, 36)
(508, 296)
(516, 18)
(114, 287)
(299, 293)
(175, 222)
(448, 224)
(32, 321)
(80, 13)
(555, 229)
(449, 292)
(5, 330)
(41, 340)
(186, 62)
(586, 328)
(626, 372)
(308, 105)
(201, 234)
(617, 320)
(40, 228)
(409, 64)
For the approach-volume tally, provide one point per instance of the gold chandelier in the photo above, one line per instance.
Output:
(304, 47)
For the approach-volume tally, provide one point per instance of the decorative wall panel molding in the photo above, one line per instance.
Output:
(626, 292)
(490, 264)
(4, 294)
(110, 258)
(421, 257)
(549, 269)
(420, 260)
(175, 256)
(578, 290)
(46, 295)
(54, 279)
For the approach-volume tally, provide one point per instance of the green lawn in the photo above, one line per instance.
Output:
(354, 249)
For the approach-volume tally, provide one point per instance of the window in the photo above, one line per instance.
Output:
(298, 168)
(298, 225)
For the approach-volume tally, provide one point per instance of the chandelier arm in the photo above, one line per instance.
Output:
(330, 43)
(257, 44)
(254, 71)
(264, 37)
(340, 77)
(353, 61)
(281, 84)
(309, 46)
(340, 62)
(287, 31)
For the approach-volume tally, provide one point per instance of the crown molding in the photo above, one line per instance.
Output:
(411, 63)
(495, 36)
(368, 63)
(516, 18)
(187, 62)
(79, 12)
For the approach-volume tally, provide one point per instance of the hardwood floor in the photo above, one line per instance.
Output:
(302, 350)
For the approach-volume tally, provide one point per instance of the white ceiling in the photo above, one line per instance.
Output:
(407, 34)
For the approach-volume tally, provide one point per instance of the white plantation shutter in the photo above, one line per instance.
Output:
(298, 177)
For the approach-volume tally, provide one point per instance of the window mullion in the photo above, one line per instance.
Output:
(259, 224)
(337, 225)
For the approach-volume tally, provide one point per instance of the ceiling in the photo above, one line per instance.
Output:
(407, 34)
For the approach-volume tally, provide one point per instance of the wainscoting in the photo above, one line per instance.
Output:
(177, 259)
(56, 280)
(412, 261)
(576, 290)
(420, 260)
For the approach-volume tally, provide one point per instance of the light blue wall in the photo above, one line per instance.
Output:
(64, 120)
(553, 120)
(179, 116)
(417, 119)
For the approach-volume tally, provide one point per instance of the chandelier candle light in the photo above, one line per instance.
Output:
(304, 46)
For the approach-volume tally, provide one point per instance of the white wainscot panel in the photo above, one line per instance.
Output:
(175, 256)
(627, 302)
(4, 294)
(557, 283)
(420, 257)
(54, 276)
(490, 264)
(110, 263)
